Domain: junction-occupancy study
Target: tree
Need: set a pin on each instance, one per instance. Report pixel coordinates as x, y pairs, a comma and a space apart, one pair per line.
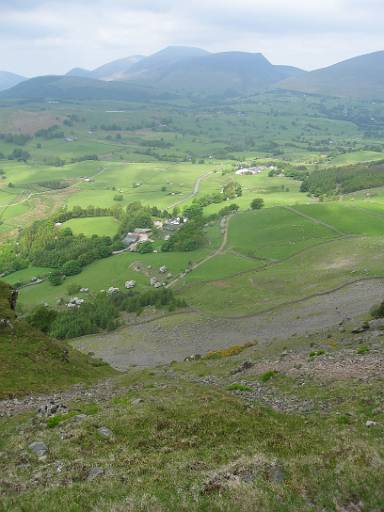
71, 268
195, 211
145, 247
42, 318
55, 278
257, 203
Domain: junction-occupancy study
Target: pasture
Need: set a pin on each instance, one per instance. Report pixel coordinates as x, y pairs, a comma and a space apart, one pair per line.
113, 153
291, 254
101, 226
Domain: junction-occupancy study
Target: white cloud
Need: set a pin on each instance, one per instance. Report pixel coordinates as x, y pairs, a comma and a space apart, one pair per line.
50, 36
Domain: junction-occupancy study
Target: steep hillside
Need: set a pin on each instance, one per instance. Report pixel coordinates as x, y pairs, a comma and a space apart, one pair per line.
76, 88
229, 71
159, 63
361, 77
115, 70
80, 72
32, 362
8, 80
281, 427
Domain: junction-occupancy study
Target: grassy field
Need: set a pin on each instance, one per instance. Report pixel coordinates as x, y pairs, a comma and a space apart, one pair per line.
165, 156
274, 234
289, 252
336, 262
101, 226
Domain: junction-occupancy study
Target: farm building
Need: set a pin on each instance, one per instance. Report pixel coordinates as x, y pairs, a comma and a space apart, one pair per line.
130, 239
253, 171
249, 171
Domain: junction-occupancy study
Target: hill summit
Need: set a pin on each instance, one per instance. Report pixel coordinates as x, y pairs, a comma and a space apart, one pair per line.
360, 77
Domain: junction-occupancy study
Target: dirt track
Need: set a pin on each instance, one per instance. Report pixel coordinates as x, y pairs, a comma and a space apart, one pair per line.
174, 338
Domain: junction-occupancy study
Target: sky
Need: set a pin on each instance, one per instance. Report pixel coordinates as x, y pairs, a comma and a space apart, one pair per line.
52, 36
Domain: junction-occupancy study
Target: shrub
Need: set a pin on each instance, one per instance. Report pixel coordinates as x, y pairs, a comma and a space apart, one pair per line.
257, 203
55, 278
227, 352
363, 349
378, 311
145, 247
42, 318
71, 268
316, 353
53, 421
266, 376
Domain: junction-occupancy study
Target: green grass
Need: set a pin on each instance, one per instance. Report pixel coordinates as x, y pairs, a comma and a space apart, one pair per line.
101, 226
31, 362
26, 275
222, 266
274, 233
190, 446
113, 271
346, 218
337, 262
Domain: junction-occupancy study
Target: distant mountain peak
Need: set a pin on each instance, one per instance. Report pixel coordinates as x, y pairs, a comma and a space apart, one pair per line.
359, 77
8, 80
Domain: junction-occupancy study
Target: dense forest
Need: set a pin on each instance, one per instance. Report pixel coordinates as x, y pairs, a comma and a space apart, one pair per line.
344, 180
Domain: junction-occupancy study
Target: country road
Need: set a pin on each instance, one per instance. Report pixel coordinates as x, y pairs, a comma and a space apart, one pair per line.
225, 227
194, 192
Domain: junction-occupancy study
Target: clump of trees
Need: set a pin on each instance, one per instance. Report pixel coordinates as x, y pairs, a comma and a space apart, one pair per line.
257, 203
99, 314
136, 216
228, 210
344, 180
43, 245
19, 139
190, 236
53, 132
230, 191
20, 155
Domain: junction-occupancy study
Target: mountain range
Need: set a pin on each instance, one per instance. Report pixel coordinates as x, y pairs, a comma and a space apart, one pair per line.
8, 80
360, 77
179, 70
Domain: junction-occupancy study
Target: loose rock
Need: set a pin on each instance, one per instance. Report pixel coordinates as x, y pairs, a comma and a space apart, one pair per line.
95, 473
105, 432
39, 449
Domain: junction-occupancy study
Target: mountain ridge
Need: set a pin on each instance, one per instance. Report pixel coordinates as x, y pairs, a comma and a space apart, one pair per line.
359, 77
8, 80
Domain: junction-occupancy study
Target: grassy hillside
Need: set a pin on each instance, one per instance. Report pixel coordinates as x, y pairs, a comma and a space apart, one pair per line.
75, 88
31, 362
8, 80
228, 72
361, 77
279, 428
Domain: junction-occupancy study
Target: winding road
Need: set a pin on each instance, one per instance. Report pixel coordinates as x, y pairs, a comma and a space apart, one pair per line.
220, 250
194, 192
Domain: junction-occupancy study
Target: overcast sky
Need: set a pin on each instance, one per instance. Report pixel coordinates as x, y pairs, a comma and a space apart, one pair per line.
52, 36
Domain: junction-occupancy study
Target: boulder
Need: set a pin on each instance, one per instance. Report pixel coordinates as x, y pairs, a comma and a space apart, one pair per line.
105, 432
95, 473
377, 324
39, 449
